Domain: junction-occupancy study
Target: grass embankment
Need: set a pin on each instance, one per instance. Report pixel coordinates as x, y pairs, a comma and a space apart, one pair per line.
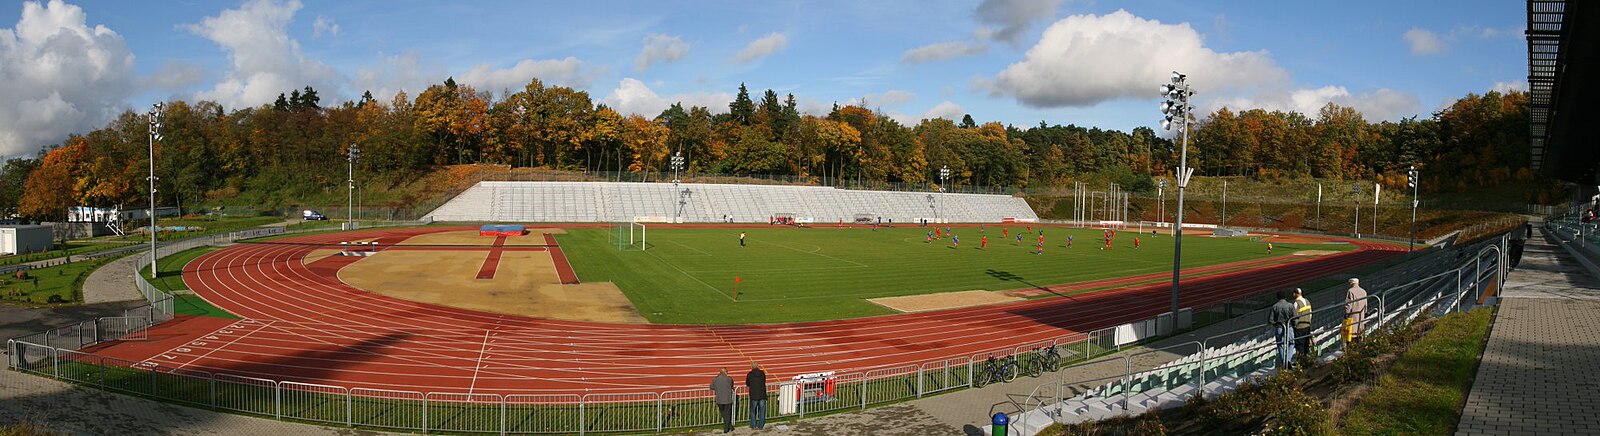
208, 226
55, 285
787, 275
1424, 390
169, 279
69, 248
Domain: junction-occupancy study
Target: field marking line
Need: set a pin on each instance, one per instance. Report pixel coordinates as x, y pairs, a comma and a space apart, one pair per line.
260, 326
482, 352
691, 276
859, 264
692, 248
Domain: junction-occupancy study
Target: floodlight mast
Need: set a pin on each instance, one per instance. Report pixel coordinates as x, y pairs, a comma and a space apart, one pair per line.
1177, 107
944, 173
156, 116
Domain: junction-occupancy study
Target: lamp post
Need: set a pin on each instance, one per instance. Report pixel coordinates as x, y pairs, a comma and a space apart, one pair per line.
1161, 206
155, 135
944, 173
350, 178
1355, 226
1411, 182
676, 164
1177, 107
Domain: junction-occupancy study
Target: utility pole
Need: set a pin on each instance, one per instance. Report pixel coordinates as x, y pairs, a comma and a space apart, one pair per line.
1355, 227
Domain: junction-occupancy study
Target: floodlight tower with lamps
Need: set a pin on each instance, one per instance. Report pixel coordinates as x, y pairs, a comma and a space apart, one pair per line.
1161, 207
1177, 108
944, 173
350, 178
1355, 226
1411, 182
156, 116
676, 164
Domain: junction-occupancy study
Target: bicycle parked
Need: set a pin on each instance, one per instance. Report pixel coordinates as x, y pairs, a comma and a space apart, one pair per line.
1042, 359
996, 370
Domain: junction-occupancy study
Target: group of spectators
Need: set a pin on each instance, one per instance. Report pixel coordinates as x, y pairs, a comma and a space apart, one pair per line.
722, 389
1291, 320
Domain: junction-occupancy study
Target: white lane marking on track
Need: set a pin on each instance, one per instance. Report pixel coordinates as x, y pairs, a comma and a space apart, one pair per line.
213, 350
482, 353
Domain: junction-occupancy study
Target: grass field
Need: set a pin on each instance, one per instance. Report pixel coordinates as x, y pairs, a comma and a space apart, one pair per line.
60, 284
788, 275
169, 279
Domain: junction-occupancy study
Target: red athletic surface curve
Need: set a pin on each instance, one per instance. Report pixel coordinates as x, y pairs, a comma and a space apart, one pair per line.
304, 325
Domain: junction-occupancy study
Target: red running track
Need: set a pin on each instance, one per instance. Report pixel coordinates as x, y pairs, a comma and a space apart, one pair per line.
304, 325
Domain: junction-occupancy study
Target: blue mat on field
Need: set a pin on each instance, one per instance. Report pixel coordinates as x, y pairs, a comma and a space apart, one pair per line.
502, 230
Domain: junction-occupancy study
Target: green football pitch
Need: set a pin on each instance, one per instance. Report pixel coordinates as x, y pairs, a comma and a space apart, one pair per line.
785, 274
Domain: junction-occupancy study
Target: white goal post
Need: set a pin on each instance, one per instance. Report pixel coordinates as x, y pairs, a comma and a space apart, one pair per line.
637, 234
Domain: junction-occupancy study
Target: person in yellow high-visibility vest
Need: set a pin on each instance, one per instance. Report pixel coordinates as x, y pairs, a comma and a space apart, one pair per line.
1302, 323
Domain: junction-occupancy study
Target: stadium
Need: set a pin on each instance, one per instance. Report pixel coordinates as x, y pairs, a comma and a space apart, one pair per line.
501, 253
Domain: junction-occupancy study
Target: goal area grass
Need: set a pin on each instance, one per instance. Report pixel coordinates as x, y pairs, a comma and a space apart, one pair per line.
786, 274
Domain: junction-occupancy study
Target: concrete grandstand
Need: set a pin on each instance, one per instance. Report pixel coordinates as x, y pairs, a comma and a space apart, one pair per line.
620, 202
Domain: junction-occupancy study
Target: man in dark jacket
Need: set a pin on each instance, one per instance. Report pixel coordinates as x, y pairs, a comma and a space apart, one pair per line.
756, 381
1280, 316
722, 388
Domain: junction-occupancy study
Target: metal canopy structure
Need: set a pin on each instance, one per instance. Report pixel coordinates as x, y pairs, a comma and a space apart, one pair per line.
1562, 48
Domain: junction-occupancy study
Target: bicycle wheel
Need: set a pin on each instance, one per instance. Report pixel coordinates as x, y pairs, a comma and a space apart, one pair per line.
982, 378
1052, 362
1009, 372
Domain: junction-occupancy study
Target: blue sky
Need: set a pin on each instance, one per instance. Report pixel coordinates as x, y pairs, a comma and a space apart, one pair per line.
71, 66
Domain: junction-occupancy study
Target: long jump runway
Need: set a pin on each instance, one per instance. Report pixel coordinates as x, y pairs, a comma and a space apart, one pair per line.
304, 326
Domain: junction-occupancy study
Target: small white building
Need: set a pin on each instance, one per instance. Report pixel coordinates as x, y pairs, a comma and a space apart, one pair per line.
17, 239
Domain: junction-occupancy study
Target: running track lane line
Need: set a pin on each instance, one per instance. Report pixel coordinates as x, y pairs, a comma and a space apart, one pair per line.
491, 262
483, 351
259, 327
563, 268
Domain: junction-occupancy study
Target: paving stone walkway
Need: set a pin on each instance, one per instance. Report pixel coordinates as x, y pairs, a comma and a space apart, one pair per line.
1538, 373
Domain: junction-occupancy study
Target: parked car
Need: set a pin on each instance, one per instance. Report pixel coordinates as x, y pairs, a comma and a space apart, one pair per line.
311, 215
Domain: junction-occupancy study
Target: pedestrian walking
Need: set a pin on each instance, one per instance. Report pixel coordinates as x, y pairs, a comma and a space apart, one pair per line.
1281, 315
1302, 323
722, 389
1355, 308
756, 381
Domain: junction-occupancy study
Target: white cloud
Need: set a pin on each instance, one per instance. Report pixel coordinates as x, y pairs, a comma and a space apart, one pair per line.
762, 47
324, 25
661, 49
265, 60
946, 110
58, 76
941, 51
1376, 105
1013, 17
174, 76
1423, 41
1505, 87
893, 97
403, 72
565, 72
634, 97
1083, 60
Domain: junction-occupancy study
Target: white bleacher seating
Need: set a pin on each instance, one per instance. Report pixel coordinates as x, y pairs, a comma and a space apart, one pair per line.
619, 202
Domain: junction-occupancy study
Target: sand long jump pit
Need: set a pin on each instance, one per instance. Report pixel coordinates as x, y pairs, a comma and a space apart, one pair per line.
942, 300
447, 268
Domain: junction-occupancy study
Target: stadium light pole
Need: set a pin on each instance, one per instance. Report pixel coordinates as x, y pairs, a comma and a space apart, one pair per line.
156, 116
1177, 107
1411, 182
353, 153
676, 164
1355, 225
944, 173
1161, 206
